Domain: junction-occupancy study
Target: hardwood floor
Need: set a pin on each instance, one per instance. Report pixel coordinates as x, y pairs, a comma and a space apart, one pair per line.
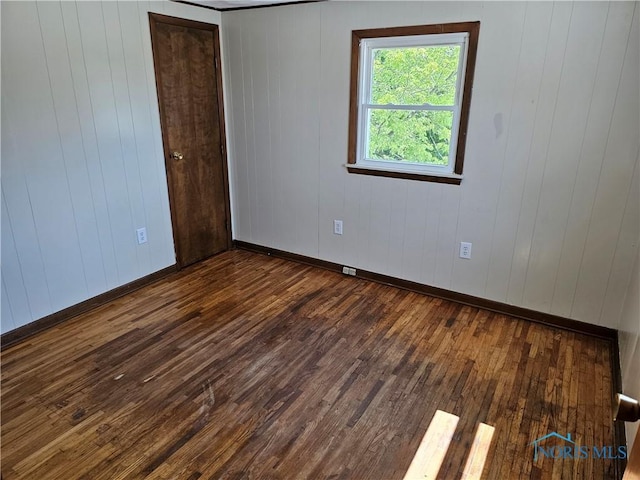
248, 366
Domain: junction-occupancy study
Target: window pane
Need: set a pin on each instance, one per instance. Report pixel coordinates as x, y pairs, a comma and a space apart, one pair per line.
410, 136
415, 75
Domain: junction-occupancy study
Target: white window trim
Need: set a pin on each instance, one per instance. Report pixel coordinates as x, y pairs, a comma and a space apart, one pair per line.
364, 102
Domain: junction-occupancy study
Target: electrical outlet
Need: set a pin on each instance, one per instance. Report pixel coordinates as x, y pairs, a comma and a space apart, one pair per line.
349, 271
337, 227
142, 235
465, 250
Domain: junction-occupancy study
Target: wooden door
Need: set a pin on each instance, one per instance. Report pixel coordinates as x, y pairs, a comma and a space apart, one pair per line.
186, 56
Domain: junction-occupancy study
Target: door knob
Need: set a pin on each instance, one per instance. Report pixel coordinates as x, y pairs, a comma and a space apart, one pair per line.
628, 409
176, 156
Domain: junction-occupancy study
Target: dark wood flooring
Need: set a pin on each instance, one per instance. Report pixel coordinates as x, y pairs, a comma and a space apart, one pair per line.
247, 366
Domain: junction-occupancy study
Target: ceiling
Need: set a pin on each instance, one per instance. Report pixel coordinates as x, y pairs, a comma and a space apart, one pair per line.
234, 4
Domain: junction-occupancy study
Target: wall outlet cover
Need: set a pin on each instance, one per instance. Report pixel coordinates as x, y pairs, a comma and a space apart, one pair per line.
142, 235
465, 250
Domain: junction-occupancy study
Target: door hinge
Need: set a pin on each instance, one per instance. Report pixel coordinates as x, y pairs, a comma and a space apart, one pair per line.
222, 149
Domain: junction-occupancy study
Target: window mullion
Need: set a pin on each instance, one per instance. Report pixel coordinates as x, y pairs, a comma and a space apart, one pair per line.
389, 106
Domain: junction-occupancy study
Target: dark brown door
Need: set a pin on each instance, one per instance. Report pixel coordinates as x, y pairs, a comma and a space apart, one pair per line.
186, 55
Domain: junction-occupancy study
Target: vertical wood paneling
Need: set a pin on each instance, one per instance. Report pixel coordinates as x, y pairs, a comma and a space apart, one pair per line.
536, 155
41, 159
235, 73
14, 294
629, 326
286, 213
304, 162
297, 143
380, 212
397, 227
445, 250
250, 124
82, 161
147, 160
586, 29
364, 222
534, 44
336, 188
274, 119
102, 91
414, 228
229, 117
5, 311
68, 121
15, 188
592, 149
621, 156
534, 193
13, 282
260, 149
88, 136
433, 205
627, 247
130, 137
495, 88
18, 222
263, 147
348, 245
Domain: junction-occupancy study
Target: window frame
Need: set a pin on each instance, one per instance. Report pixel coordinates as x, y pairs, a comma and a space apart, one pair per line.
360, 93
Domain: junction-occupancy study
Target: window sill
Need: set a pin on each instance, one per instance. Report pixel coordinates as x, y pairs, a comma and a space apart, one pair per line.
450, 178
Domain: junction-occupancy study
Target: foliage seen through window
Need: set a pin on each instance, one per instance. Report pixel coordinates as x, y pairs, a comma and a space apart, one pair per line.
413, 76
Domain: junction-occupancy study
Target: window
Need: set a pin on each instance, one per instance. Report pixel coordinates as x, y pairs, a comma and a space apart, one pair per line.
410, 95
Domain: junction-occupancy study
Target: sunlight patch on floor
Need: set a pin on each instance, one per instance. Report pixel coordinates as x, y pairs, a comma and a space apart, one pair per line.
428, 459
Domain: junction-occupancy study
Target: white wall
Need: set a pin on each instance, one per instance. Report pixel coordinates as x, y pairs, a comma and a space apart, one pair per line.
550, 198
82, 159
630, 344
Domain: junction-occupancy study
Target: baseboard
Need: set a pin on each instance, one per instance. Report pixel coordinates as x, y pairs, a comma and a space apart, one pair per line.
470, 300
21, 333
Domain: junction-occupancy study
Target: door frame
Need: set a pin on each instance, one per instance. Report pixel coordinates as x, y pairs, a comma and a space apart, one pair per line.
154, 19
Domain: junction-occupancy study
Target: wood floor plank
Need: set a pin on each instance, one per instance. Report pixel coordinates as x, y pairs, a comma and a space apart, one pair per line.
248, 366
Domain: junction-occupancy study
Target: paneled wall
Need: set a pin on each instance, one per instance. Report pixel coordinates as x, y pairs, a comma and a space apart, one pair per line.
550, 197
82, 160
630, 344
